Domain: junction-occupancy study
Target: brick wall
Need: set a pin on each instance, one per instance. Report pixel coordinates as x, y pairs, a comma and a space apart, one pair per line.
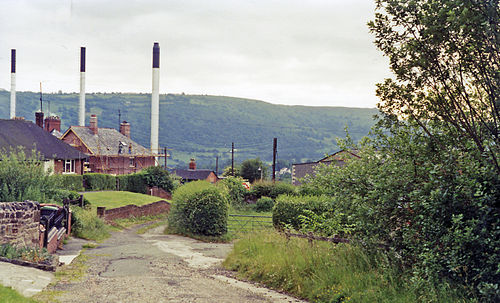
19, 223
159, 192
134, 210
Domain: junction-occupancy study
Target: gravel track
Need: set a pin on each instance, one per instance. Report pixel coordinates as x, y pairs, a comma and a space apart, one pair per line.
154, 267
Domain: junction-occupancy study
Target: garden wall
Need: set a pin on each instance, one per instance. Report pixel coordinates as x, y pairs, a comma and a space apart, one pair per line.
159, 192
133, 210
19, 223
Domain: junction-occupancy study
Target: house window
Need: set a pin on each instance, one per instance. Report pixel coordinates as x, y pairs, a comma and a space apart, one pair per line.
69, 166
131, 162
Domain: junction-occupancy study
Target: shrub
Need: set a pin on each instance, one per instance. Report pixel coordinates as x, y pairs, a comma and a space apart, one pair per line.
235, 190
288, 209
94, 181
157, 176
264, 204
69, 182
199, 208
271, 190
59, 195
86, 225
122, 182
23, 177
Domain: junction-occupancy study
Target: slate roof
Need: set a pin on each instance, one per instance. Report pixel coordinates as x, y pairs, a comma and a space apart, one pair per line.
29, 136
107, 142
190, 174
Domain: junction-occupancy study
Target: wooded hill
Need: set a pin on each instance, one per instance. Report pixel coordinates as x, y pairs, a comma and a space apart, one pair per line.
204, 126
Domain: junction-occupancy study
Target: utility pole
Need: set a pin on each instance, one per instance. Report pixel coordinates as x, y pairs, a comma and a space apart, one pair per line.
165, 152
275, 145
119, 119
232, 159
217, 165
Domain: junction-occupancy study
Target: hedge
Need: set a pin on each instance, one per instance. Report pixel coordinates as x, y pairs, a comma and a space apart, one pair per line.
69, 182
271, 190
288, 208
94, 181
264, 204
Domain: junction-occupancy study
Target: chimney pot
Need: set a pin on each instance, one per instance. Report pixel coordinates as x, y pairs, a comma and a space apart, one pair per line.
192, 164
93, 124
125, 129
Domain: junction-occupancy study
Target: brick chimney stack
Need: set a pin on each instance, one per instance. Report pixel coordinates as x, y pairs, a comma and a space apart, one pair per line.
39, 119
192, 164
93, 124
125, 129
52, 122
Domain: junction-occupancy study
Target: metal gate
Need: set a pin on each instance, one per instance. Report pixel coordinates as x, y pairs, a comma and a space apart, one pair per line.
246, 223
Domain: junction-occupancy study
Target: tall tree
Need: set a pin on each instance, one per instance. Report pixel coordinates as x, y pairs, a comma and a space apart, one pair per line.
253, 169
446, 61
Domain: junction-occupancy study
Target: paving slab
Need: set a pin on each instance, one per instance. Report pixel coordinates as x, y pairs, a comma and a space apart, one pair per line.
27, 281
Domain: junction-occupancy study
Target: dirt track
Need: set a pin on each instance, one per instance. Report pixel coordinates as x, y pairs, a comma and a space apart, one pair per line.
160, 268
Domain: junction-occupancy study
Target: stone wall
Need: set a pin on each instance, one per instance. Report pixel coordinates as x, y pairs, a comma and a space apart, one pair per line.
19, 223
134, 210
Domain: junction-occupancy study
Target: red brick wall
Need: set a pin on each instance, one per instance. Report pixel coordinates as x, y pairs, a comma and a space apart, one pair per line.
212, 178
74, 141
137, 211
158, 192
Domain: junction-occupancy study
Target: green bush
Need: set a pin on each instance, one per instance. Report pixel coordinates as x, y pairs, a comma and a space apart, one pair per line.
23, 177
264, 204
94, 181
235, 190
271, 190
199, 208
59, 195
288, 209
157, 176
86, 225
69, 182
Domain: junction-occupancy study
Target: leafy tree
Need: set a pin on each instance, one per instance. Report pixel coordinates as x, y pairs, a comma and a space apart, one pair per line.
227, 172
445, 57
253, 169
157, 176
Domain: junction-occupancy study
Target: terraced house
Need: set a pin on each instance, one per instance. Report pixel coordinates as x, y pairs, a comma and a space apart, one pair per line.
110, 151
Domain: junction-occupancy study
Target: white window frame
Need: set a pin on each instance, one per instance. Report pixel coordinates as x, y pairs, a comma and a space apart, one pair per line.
71, 164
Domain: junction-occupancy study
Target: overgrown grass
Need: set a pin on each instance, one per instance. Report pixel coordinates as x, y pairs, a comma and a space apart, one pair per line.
114, 199
9, 295
87, 225
326, 272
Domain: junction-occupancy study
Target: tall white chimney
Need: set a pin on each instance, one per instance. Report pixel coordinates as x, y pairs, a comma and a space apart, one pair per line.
155, 98
81, 111
13, 84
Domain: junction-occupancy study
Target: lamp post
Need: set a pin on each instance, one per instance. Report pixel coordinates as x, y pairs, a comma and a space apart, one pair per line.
260, 171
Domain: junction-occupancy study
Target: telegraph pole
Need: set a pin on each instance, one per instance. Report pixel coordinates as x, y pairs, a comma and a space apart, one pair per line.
165, 152
217, 165
275, 145
232, 159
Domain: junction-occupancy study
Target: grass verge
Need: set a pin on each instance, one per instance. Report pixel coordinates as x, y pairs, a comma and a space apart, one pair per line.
325, 272
9, 295
114, 199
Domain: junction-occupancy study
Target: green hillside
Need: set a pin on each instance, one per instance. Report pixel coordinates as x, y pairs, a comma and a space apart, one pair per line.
203, 126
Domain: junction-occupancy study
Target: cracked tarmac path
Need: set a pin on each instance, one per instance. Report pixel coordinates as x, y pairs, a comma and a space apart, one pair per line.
154, 267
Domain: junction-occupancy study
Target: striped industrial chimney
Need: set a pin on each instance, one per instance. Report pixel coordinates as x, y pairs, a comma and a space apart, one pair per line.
81, 111
155, 98
13, 84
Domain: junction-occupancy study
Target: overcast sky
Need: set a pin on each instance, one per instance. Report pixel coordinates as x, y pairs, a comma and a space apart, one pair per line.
314, 52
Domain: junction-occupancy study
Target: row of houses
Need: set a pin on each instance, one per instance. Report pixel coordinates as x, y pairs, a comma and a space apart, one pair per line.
82, 149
